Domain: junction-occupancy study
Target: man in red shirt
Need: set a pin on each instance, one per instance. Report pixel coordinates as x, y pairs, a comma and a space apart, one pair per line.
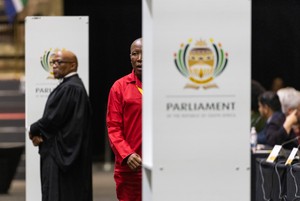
124, 125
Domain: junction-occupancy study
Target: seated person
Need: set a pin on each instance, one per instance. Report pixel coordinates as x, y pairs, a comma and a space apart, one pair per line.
256, 120
275, 132
290, 101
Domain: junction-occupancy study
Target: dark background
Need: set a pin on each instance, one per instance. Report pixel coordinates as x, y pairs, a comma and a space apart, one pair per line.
276, 41
114, 24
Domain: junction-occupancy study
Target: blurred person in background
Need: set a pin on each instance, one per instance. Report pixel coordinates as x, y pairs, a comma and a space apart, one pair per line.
290, 104
277, 83
256, 119
277, 129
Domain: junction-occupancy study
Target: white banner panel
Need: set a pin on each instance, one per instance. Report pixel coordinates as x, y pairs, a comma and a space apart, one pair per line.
196, 112
44, 35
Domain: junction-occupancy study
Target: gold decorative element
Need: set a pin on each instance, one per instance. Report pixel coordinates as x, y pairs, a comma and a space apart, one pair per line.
201, 43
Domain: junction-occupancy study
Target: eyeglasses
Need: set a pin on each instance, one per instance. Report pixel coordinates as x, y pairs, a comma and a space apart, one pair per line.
59, 62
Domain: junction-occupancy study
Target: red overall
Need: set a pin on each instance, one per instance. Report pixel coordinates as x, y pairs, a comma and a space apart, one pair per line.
124, 124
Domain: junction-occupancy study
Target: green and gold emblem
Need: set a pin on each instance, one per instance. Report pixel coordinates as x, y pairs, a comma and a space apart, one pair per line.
201, 63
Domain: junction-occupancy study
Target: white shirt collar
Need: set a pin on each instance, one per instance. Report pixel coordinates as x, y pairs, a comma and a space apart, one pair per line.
68, 75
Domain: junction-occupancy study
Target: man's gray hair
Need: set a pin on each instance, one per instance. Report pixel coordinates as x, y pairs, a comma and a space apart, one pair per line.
289, 98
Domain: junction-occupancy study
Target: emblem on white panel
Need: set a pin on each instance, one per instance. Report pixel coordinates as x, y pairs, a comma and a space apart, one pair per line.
201, 62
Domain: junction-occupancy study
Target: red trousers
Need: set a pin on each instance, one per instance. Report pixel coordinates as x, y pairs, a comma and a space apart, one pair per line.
128, 186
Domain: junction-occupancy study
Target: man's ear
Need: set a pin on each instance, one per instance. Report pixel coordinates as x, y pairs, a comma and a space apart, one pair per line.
74, 67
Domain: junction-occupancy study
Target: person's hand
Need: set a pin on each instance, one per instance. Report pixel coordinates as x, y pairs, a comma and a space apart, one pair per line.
290, 120
36, 140
134, 161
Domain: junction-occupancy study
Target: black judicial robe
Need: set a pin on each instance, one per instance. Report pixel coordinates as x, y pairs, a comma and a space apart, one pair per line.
66, 164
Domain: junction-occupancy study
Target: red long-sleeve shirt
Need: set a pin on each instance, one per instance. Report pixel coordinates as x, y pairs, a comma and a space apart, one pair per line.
124, 119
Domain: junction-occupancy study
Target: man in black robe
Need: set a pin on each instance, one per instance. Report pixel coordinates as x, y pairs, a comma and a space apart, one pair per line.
63, 136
